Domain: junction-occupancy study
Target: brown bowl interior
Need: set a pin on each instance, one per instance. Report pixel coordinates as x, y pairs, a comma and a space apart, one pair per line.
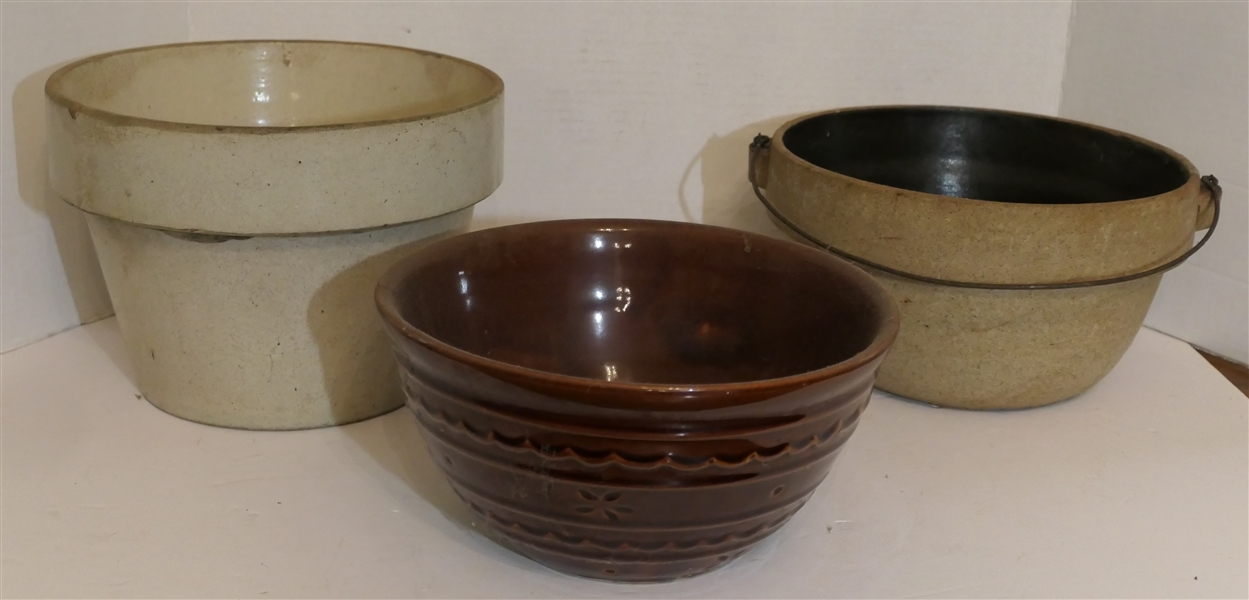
647, 302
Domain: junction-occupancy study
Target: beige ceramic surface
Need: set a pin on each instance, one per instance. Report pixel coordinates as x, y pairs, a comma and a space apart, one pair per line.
244, 197
994, 349
987, 349
979, 241
274, 137
1003, 349
261, 333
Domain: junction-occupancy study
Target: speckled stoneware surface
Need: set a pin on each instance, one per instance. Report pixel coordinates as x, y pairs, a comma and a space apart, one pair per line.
262, 333
244, 196
985, 341
266, 138
1044, 201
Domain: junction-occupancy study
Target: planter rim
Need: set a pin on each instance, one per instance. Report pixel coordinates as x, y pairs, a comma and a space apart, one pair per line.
53, 88
224, 236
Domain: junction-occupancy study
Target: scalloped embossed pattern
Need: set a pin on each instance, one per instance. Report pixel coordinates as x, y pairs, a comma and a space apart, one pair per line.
520, 349
656, 509
433, 417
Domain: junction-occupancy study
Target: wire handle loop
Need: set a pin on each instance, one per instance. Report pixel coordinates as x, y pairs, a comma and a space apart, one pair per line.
762, 146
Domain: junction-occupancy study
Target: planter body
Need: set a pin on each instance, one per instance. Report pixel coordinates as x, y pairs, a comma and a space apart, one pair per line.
259, 333
243, 198
986, 348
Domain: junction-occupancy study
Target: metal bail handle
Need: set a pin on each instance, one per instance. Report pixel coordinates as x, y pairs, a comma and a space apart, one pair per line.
762, 145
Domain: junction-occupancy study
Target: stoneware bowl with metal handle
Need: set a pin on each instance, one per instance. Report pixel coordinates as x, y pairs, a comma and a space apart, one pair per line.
243, 198
1024, 251
634, 400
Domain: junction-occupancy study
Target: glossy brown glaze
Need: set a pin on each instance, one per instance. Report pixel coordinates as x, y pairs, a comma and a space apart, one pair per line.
634, 400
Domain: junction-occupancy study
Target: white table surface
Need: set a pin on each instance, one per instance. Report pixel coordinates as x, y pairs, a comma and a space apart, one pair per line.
1138, 488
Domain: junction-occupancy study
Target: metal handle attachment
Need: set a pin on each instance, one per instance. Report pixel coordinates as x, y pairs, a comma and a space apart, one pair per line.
762, 147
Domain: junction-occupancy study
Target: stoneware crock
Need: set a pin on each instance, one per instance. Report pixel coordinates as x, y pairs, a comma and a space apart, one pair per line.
244, 197
634, 400
1024, 251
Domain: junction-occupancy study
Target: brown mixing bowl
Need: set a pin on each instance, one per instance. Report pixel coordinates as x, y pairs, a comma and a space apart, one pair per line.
634, 400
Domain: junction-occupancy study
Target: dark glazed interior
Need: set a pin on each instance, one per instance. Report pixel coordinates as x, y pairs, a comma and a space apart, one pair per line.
985, 155
640, 301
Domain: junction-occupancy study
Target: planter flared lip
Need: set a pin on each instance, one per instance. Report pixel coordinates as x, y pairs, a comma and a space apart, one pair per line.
778, 144
291, 234
54, 92
648, 396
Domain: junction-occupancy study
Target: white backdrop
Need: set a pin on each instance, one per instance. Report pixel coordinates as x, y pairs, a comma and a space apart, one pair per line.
1178, 74
613, 109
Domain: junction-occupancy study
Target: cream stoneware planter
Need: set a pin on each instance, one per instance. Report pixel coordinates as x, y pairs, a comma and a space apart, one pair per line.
244, 197
1024, 251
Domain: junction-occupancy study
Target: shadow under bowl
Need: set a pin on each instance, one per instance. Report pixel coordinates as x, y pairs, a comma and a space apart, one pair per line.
634, 400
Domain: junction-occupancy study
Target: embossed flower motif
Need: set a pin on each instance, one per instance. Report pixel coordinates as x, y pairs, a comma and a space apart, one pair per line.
604, 505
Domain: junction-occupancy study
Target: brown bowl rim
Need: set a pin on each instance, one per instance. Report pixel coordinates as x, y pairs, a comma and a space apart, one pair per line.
667, 393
